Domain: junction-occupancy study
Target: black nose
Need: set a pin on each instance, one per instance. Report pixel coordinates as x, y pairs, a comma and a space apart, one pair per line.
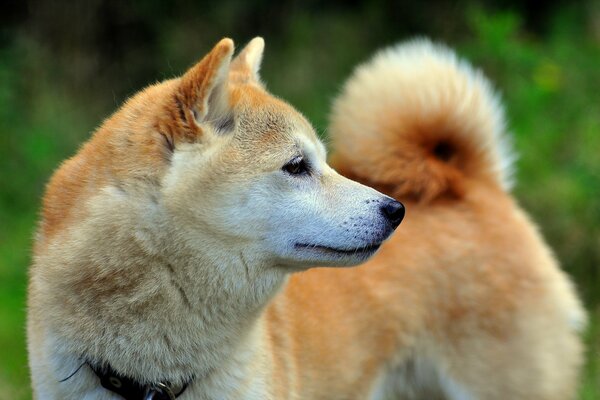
393, 211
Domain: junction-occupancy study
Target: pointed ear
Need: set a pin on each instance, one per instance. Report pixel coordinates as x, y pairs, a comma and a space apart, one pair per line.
247, 64
203, 88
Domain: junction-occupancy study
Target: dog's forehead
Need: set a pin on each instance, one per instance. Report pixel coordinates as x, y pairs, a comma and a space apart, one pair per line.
267, 119
276, 124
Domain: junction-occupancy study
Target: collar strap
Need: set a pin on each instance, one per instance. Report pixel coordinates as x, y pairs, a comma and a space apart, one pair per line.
130, 389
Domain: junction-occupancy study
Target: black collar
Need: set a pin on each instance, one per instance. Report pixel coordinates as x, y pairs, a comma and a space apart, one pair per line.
130, 389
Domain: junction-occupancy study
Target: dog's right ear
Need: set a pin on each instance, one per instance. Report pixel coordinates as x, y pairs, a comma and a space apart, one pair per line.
202, 93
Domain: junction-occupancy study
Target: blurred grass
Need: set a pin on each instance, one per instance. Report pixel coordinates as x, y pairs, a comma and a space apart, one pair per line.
550, 83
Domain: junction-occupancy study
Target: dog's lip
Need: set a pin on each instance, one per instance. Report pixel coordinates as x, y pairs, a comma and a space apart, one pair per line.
356, 250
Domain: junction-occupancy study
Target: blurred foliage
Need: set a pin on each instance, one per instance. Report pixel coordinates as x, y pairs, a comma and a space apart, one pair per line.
64, 66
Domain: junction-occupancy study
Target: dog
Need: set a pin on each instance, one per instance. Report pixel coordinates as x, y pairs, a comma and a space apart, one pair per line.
466, 300
166, 254
163, 241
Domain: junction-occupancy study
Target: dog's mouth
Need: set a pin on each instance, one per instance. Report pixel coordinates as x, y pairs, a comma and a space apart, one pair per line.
372, 248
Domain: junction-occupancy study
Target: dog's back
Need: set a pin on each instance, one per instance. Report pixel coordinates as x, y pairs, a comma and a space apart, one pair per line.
466, 301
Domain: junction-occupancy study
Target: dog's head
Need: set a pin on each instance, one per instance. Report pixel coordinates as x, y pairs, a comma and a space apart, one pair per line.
247, 170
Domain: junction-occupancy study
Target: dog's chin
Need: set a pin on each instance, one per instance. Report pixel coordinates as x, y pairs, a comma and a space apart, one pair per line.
330, 256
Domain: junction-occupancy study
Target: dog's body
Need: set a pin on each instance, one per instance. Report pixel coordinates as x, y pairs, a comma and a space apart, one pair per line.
166, 244
470, 299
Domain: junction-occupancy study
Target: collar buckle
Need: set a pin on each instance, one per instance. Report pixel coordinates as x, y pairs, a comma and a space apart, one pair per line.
130, 389
159, 391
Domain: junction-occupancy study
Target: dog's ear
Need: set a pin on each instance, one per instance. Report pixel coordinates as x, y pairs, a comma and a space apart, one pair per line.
246, 65
203, 93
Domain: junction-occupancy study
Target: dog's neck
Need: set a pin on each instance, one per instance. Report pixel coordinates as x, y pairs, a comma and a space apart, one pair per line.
183, 315
225, 294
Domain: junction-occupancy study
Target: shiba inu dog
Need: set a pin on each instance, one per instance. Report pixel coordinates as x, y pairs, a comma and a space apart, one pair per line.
466, 301
163, 241
162, 264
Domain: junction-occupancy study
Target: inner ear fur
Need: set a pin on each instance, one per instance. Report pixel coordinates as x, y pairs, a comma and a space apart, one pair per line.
246, 65
203, 94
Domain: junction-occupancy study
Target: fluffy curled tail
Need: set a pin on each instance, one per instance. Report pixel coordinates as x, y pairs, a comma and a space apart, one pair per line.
417, 122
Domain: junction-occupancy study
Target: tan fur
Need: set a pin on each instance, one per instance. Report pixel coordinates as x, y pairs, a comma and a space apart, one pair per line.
159, 253
162, 241
467, 283
423, 122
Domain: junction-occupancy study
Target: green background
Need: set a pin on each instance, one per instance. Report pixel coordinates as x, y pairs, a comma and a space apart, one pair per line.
66, 65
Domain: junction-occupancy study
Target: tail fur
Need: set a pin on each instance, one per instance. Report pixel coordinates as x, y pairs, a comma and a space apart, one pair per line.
417, 122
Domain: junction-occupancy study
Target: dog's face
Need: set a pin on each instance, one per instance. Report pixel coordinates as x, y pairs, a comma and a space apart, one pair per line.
258, 181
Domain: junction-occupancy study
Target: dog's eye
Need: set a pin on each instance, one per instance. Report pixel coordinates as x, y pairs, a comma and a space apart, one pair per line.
297, 166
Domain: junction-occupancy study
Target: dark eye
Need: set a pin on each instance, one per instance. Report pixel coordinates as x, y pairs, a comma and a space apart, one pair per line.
297, 166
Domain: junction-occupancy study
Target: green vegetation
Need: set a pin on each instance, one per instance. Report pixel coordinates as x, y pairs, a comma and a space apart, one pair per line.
53, 94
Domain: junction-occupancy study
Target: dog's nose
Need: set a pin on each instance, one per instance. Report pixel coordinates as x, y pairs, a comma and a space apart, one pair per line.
393, 211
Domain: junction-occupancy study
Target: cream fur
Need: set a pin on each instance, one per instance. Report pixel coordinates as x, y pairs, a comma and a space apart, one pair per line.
413, 85
167, 246
486, 313
182, 224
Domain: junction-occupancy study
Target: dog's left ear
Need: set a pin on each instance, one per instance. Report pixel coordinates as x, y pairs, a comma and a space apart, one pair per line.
203, 92
246, 65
